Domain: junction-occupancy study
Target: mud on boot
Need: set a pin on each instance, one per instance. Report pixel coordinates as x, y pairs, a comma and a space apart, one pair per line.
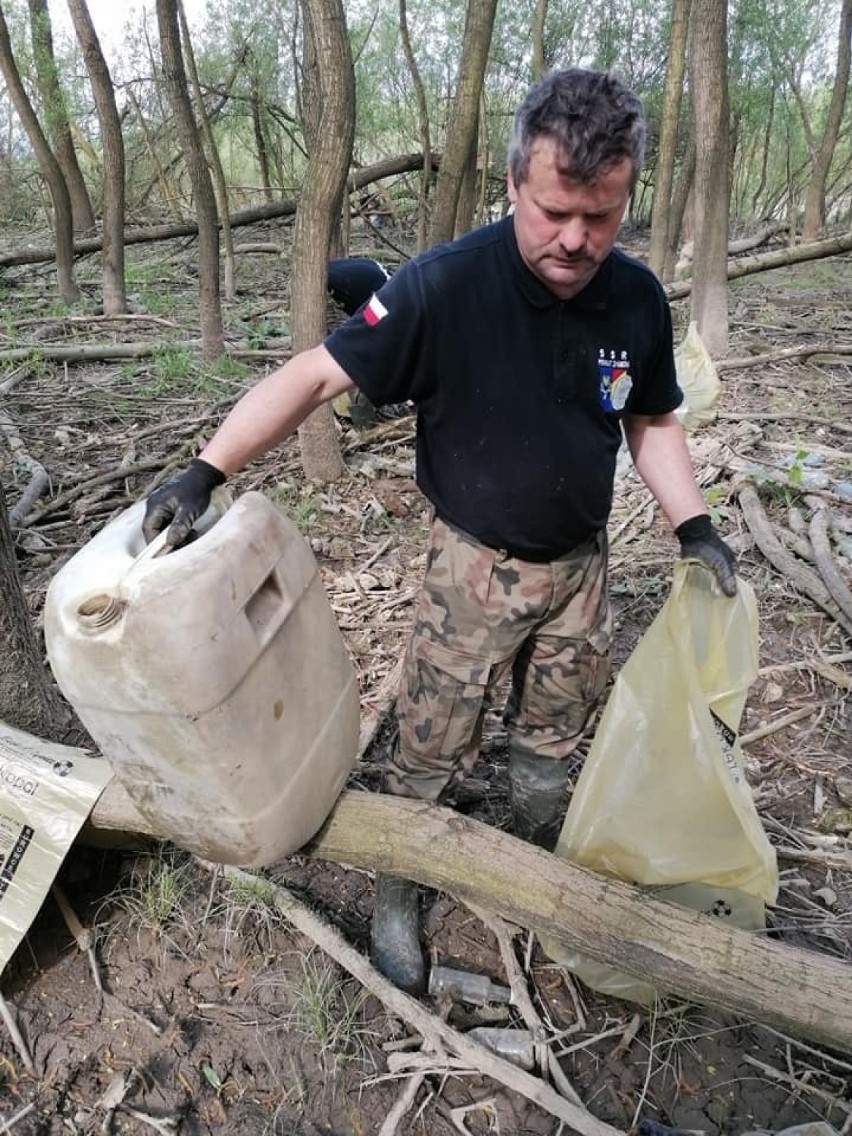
395, 942
537, 788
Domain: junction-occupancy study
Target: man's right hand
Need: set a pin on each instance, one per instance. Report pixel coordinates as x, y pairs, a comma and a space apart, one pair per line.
180, 501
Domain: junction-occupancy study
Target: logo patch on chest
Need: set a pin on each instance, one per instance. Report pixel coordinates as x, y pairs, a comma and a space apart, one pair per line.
615, 381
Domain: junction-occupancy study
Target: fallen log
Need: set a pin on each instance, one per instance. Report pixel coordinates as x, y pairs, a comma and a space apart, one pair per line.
779, 258
678, 951
741, 244
271, 211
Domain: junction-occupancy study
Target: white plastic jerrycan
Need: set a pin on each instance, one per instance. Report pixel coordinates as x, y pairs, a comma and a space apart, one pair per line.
214, 678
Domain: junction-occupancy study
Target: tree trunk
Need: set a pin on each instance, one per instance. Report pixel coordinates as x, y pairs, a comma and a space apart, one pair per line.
423, 124
466, 207
815, 198
539, 23
210, 308
63, 220
676, 950
680, 199
219, 185
764, 156
464, 115
664, 173
28, 701
260, 145
56, 115
710, 97
115, 298
318, 213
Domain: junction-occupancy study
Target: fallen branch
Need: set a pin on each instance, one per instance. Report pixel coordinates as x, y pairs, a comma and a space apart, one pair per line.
821, 544
785, 416
832, 674
800, 1085
39, 480
82, 936
434, 1031
678, 951
781, 723
21, 1114
839, 861
798, 573
547, 1060
91, 352
739, 363
740, 244
16, 1036
748, 265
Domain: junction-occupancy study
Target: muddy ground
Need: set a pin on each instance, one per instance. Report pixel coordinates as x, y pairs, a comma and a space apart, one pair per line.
215, 1016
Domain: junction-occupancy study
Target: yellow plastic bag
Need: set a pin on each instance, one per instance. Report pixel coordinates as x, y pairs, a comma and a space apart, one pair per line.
662, 800
698, 379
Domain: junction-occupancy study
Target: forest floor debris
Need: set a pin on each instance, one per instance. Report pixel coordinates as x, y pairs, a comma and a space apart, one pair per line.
218, 1016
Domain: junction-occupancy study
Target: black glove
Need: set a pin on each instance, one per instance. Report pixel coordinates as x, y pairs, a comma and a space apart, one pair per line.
181, 500
700, 541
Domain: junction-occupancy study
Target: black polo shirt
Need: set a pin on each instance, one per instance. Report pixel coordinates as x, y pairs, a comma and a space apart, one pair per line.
518, 394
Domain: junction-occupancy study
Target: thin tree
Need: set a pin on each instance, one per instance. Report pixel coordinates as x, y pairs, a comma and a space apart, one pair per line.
709, 86
667, 150
815, 198
174, 72
63, 219
331, 134
112, 256
423, 126
460, 142
28, 700
681, 196
539, 23
55, 112
219, 186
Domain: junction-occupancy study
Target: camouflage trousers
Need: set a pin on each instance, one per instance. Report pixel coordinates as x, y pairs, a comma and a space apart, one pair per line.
482, 618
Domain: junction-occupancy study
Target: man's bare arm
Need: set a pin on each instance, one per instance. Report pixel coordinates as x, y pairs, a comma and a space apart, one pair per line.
658, 446
274, 408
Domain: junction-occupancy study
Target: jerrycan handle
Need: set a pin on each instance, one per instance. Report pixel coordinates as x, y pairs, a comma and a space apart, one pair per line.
159, 546
267, 607
220, 502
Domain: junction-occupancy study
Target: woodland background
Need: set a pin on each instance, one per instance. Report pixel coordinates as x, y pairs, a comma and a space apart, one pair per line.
169, 198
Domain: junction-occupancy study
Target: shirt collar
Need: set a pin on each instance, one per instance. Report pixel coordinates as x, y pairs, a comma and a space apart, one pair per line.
594, 296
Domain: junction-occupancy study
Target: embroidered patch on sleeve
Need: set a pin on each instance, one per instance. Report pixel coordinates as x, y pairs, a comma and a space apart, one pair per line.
374, 310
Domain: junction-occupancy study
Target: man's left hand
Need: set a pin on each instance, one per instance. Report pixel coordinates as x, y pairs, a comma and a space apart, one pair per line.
700, 541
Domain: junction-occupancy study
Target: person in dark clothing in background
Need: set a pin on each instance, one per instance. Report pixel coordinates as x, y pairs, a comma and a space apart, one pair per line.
352, 280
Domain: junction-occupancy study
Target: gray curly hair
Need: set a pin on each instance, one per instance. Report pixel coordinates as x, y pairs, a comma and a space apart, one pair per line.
594, 119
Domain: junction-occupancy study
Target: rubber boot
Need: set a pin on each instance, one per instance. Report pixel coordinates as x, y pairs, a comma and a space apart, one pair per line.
395, 947
537, 790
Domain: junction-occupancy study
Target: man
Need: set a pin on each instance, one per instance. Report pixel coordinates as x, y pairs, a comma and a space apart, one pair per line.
526, 346
352, 280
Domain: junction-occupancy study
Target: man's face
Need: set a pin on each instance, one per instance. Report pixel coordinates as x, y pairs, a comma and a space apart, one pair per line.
565, 229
